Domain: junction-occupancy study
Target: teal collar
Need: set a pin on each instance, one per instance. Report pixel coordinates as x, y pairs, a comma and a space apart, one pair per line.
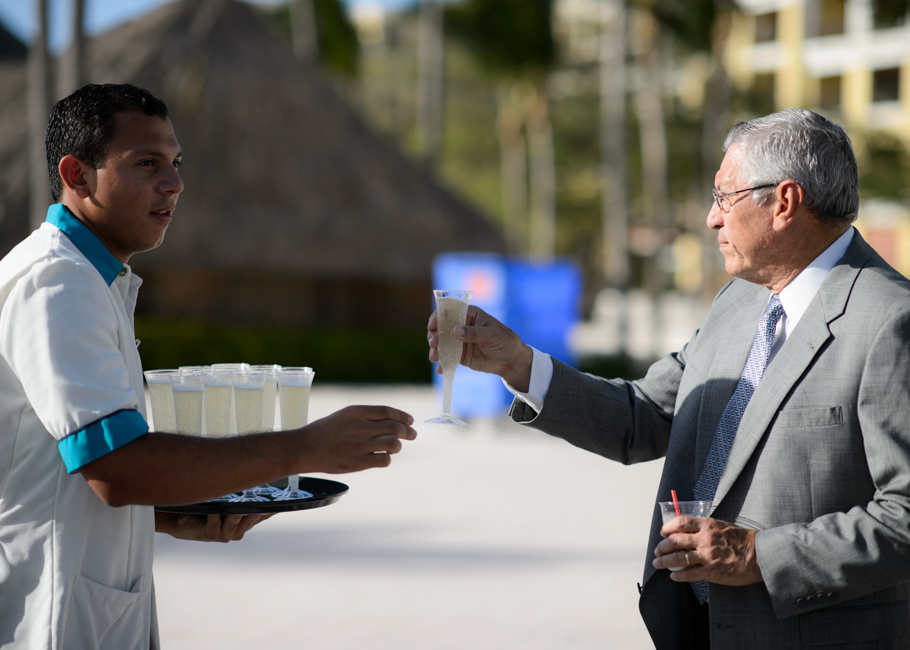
85, 240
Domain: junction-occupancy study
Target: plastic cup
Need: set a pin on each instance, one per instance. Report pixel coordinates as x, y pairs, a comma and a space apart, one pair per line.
161, 398
217, 397
187, 387
686, 509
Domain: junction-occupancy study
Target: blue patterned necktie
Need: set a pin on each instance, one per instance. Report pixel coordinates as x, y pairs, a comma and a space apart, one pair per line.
706, 486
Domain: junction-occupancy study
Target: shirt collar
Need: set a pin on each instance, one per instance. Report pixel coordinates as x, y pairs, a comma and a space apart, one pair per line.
797, 295
85, 240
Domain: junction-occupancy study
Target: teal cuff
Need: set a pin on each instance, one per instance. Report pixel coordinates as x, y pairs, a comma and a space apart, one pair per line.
101, 437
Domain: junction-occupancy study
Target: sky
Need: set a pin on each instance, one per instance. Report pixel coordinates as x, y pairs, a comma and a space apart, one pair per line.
18, 17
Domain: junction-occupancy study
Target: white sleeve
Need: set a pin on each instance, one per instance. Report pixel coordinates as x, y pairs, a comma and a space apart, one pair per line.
541, 375
58, 332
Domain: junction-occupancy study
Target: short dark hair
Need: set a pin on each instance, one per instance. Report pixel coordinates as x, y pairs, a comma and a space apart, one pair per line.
82, 124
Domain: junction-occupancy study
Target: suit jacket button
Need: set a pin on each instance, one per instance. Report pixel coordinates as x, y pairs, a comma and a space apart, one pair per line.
821, 598
800, 602
832, 596
810, 600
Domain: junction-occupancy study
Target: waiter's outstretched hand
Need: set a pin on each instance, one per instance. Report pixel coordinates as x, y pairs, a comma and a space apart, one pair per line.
489, 347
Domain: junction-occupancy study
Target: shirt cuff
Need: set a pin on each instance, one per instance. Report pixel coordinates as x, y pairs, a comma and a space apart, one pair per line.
101, 437
541, 375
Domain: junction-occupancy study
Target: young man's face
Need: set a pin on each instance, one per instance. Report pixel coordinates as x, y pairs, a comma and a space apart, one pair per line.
134, 194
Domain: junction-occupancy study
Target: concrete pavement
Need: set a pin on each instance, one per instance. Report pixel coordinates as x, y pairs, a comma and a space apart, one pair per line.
488, 537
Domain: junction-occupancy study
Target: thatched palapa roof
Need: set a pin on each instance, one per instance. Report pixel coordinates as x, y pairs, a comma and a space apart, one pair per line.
282, 177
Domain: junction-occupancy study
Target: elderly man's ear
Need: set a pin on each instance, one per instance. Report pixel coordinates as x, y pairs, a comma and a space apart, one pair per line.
789, 197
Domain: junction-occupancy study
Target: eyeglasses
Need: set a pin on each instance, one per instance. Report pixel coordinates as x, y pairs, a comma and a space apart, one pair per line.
724, 205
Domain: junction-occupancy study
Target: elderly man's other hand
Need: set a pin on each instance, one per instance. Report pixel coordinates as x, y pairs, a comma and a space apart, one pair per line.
206, 528
709, 549
489, 347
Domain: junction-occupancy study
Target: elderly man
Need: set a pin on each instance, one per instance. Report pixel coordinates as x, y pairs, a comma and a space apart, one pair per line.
789, 408
80, 469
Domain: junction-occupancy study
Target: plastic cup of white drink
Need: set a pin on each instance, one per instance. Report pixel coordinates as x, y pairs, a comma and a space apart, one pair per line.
270, 394
294, 396
451, 312
294, 404
187, 388
686, 509
232, 367
269, 400
162, 399
217, 400
248, 389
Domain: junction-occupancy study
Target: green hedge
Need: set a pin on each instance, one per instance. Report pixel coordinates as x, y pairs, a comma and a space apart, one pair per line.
337, 355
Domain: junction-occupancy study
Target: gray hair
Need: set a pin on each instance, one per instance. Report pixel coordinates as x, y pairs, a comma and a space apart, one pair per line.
803, 146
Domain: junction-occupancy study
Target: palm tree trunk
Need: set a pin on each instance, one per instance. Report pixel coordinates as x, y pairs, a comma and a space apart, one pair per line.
430, 81
304, 31
613, 143
513, 166
717, 101
72, 64
543, 176
38, 110
653, 143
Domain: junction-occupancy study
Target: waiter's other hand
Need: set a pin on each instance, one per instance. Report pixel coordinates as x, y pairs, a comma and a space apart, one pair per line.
710, 549
489, 347
355, 438
206, 528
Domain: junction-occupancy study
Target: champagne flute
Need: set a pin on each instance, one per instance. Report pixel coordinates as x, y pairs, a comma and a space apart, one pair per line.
232, 367
187, 388
294, 402
269, 398
451, 312
216, 398
161, 396
248, 388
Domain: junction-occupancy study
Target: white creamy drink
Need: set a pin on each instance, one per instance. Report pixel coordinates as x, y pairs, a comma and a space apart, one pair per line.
188, 411
248, 408
450, 313
162, 399
295, 405
270, 394
217, 400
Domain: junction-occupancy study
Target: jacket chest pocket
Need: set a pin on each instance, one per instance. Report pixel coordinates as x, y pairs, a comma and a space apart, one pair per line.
814, 416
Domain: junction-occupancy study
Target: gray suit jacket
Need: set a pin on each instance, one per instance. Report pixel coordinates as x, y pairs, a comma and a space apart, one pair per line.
820, 465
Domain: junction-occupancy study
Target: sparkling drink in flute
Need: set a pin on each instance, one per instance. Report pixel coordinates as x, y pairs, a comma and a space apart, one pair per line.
294, 402
269, 398
216, 408
216, 397
232, 367
187, 388
248, 389
451, 311
161, 397
270, 395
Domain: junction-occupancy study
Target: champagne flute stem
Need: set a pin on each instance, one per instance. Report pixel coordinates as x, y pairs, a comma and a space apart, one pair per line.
448, 376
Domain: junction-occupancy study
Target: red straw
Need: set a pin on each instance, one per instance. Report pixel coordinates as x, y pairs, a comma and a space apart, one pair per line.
675, 502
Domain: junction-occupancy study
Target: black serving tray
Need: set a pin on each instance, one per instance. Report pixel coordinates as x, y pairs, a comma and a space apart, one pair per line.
324, 493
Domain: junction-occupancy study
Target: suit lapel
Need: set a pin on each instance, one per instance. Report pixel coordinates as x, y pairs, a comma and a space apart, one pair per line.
792, 360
